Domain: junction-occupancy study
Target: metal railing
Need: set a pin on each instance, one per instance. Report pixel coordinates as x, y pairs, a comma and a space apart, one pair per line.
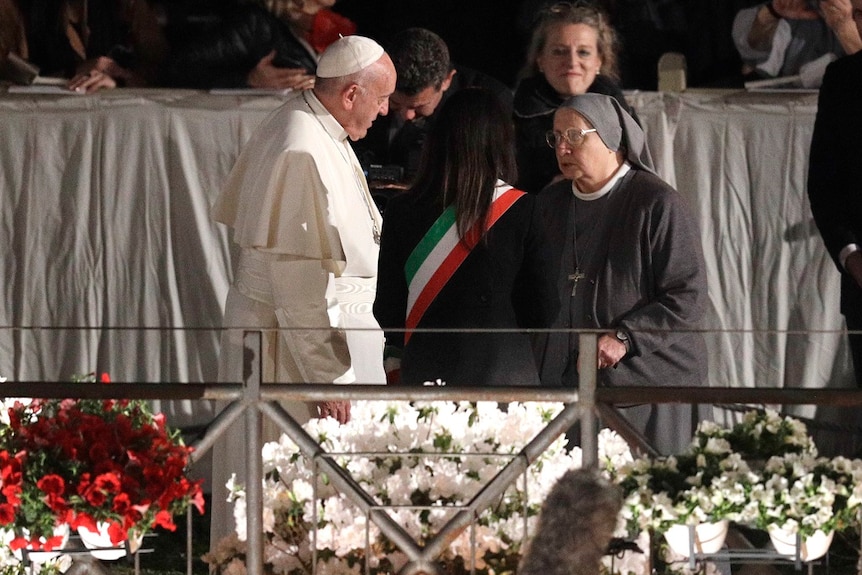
253, 399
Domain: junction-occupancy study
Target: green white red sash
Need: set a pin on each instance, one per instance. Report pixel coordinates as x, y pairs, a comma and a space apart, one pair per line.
440, 253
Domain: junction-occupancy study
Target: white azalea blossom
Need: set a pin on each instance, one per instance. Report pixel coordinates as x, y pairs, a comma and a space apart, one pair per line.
762, 472
422, 462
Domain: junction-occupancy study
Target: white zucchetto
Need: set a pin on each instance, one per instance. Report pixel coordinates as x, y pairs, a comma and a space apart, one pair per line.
347, 55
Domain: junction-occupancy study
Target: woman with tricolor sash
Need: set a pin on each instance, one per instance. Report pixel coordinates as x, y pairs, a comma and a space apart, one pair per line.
464, 266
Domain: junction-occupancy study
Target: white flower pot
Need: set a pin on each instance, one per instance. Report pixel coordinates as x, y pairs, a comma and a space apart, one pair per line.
100, 546
43, 556
813, 547
708, 538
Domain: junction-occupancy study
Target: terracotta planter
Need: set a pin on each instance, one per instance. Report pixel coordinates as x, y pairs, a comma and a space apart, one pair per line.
812, 547
708, 538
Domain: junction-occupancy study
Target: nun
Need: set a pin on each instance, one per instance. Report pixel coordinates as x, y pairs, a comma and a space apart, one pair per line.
631, 265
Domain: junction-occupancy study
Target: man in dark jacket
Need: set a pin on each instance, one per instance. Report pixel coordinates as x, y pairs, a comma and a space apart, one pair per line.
426, 78
834, 176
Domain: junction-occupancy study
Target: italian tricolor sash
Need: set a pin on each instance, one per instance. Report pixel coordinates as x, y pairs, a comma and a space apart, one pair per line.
440, 252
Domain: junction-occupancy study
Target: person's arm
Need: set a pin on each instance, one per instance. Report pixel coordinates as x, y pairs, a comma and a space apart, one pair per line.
225, 56
678, 293
303, 278
754, 28
763, 27
838, 15
265, 74
832, 171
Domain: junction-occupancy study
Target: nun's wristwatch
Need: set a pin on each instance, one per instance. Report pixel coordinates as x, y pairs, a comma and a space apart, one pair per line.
623, 338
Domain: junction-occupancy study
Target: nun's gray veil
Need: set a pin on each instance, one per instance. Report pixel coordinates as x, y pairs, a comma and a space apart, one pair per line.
614, 125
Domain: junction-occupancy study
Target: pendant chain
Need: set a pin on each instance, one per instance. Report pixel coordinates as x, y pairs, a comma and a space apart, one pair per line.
375, 229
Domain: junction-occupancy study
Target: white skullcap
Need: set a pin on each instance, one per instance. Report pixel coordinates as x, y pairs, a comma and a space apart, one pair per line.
347, 55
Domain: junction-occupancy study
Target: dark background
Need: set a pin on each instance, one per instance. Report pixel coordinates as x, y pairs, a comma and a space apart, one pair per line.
492, 35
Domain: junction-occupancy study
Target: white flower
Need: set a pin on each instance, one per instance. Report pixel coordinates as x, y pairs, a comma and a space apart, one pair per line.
467, 446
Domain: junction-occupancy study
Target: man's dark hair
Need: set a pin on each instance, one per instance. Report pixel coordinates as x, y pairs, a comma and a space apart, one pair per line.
421, 59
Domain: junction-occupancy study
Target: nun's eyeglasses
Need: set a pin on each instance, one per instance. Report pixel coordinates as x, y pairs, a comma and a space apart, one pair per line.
572, 136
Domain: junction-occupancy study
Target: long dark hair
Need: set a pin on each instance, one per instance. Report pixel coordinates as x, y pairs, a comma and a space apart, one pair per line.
469, 147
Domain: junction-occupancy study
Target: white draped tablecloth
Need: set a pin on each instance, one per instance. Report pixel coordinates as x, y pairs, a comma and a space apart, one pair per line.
105, 224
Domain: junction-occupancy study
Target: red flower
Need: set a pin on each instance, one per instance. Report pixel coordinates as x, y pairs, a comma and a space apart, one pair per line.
89, 461
117, 533
52, 484
19, 543
166, 520
7, 513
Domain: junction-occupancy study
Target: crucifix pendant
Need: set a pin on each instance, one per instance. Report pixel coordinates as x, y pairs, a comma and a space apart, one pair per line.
575, 278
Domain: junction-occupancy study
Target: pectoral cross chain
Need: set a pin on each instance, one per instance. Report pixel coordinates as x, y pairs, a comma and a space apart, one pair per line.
575, 278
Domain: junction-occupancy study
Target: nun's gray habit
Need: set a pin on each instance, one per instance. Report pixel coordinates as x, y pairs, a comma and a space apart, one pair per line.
639, 252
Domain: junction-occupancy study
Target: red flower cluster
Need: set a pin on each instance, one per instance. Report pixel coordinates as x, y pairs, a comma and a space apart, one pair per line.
86, 461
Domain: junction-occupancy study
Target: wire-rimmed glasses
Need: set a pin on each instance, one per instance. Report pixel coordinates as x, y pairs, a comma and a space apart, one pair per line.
572, 136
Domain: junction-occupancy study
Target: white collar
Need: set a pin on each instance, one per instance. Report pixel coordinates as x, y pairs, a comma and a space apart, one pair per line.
327, 120
621, 171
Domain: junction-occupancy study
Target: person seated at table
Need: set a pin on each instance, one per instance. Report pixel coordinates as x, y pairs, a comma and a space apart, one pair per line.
463, 250
252, 46
94, 43
12, 36
572, 51
631, 265
778, 38
426, 79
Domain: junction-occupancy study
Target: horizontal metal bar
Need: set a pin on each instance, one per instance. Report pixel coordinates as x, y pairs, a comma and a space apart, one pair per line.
356, 392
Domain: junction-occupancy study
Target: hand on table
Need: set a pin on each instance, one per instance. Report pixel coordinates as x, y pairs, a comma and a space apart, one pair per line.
97, 74
91, 82
267, 75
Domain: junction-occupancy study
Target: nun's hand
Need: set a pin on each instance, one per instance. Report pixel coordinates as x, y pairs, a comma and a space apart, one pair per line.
610, 351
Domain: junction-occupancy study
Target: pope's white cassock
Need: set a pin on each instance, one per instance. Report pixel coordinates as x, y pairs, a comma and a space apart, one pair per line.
301, 211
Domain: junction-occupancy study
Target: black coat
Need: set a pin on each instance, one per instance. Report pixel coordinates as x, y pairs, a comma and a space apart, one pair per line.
49, 46
507, 283
405, 148
835, 169
222, 55
534, 107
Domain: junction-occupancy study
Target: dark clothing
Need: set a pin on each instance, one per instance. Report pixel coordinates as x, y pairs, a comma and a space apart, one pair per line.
49, 46
223, 54
645, 274
506, 283
534, 107
835, 175
404, 149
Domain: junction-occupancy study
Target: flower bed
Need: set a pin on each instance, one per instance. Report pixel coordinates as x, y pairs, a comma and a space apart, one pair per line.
449, 451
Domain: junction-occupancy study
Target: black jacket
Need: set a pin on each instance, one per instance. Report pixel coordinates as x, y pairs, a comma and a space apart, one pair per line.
233, 43
405, 148
835, 170
507, 283
534, 107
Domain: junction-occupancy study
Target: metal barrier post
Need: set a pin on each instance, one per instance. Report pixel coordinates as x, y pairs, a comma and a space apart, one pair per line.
587, 375
252, 368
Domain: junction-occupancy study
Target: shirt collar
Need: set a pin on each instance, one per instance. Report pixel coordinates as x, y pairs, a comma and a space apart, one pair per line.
621, 171
327, 120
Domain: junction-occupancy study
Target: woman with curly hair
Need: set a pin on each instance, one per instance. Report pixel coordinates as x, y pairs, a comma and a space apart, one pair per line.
573, 51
